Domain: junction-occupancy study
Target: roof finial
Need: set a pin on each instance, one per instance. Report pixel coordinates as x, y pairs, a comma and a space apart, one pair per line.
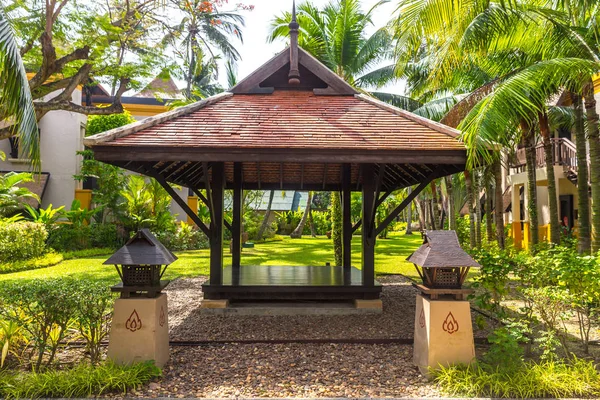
294, 75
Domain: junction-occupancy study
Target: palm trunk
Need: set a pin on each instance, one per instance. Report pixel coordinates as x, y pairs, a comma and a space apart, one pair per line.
432, 220
583, 202
594, 143
336, 227
297, 233
552, 201
451, 211
477, 194
434, 205
421, 214
489, 204
499, 216
469, 184
265, 221
530, 161
409, 215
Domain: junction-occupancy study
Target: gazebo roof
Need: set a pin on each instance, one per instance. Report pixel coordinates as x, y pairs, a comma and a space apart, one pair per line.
142, 249
292, 124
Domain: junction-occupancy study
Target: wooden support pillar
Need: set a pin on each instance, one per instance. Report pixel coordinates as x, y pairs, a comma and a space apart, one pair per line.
368, 226
236, 225
346, 223
216, 198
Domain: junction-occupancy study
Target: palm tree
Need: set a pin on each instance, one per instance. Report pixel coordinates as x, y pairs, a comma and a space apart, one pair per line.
336, 36
203, 29
15, 98
265, 221
297, 233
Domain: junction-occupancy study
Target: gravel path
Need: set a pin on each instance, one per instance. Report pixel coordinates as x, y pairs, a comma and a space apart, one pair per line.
296, 370
397, 320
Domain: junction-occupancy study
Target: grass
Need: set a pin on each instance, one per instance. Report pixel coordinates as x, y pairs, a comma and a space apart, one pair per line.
390, 258
80, 381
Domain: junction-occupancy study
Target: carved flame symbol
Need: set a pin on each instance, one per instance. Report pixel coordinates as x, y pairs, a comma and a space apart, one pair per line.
161, 318
422, 319
134, 322
450, 324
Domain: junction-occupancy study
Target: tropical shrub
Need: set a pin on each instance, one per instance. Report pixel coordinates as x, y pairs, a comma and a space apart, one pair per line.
578, 378
49, 310
67, 237
11, 193
184, 237
21, 241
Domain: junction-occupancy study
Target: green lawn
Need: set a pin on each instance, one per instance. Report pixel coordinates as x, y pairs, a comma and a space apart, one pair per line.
390, 258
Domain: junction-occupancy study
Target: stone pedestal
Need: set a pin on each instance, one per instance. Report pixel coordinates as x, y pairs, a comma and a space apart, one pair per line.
443, 333
140, 331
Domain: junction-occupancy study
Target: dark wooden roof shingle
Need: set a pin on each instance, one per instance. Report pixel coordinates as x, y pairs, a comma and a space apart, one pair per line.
441, 249
142, 249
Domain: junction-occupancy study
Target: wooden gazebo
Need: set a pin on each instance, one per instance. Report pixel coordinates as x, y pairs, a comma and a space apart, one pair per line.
293, 124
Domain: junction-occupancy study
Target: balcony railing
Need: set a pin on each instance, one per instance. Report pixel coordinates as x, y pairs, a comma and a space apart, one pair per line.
564, 153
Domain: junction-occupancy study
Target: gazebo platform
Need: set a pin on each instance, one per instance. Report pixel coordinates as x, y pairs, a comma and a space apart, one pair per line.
291, 283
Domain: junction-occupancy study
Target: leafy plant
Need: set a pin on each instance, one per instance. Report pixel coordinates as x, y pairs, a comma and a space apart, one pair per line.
79, 216
11, 193
81, 381
47, 216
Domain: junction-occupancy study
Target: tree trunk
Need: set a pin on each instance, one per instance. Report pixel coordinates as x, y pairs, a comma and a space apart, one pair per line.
530, 160
434, 205
489, 204
469, 184
583, 202
432, 220
499, 215
594, 143
297, 233
336, 227
477, 194
552, 197
451, 211
409, 215
421, 214
311, 222
265, 221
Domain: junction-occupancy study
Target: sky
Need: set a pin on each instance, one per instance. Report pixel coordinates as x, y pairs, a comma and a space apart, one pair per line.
255, 50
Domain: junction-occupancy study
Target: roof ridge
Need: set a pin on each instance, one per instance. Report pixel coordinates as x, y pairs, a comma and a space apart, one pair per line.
134, 127
445, 129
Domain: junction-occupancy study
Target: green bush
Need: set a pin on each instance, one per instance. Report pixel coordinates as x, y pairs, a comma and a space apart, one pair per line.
21, 241
578, 378
105, 236
81, 381
185, 237
87, 253
103, 123
47, 260
67, 237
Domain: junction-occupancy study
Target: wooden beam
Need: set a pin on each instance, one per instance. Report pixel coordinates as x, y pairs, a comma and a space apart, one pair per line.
281, 176
236, 231
368, 236
182, 203
356, 226
346, 220
301, 176
324, 175
380, 175
258, 173
211, 206
216, 232
403, 205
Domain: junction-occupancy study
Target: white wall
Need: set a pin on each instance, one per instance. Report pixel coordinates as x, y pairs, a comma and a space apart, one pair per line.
61, 135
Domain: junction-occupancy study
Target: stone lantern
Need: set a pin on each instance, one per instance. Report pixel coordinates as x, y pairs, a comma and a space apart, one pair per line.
443, 326
140, 328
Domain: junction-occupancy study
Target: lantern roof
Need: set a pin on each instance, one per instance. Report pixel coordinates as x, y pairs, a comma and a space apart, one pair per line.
142, 249
441, 249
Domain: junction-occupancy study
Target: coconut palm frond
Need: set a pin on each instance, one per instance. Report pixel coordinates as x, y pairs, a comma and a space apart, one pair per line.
16, 104
403, 102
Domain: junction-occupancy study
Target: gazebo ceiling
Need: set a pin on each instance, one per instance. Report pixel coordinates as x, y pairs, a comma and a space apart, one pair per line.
286, 135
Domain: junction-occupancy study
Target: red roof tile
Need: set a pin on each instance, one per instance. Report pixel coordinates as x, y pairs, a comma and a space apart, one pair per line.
291, 119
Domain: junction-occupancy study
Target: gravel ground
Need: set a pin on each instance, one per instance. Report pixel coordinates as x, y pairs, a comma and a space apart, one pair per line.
291, 370
397, 320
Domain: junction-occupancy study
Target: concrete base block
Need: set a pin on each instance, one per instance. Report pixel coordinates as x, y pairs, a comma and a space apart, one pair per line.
370, 304
140, 331
443, 333
214, 303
